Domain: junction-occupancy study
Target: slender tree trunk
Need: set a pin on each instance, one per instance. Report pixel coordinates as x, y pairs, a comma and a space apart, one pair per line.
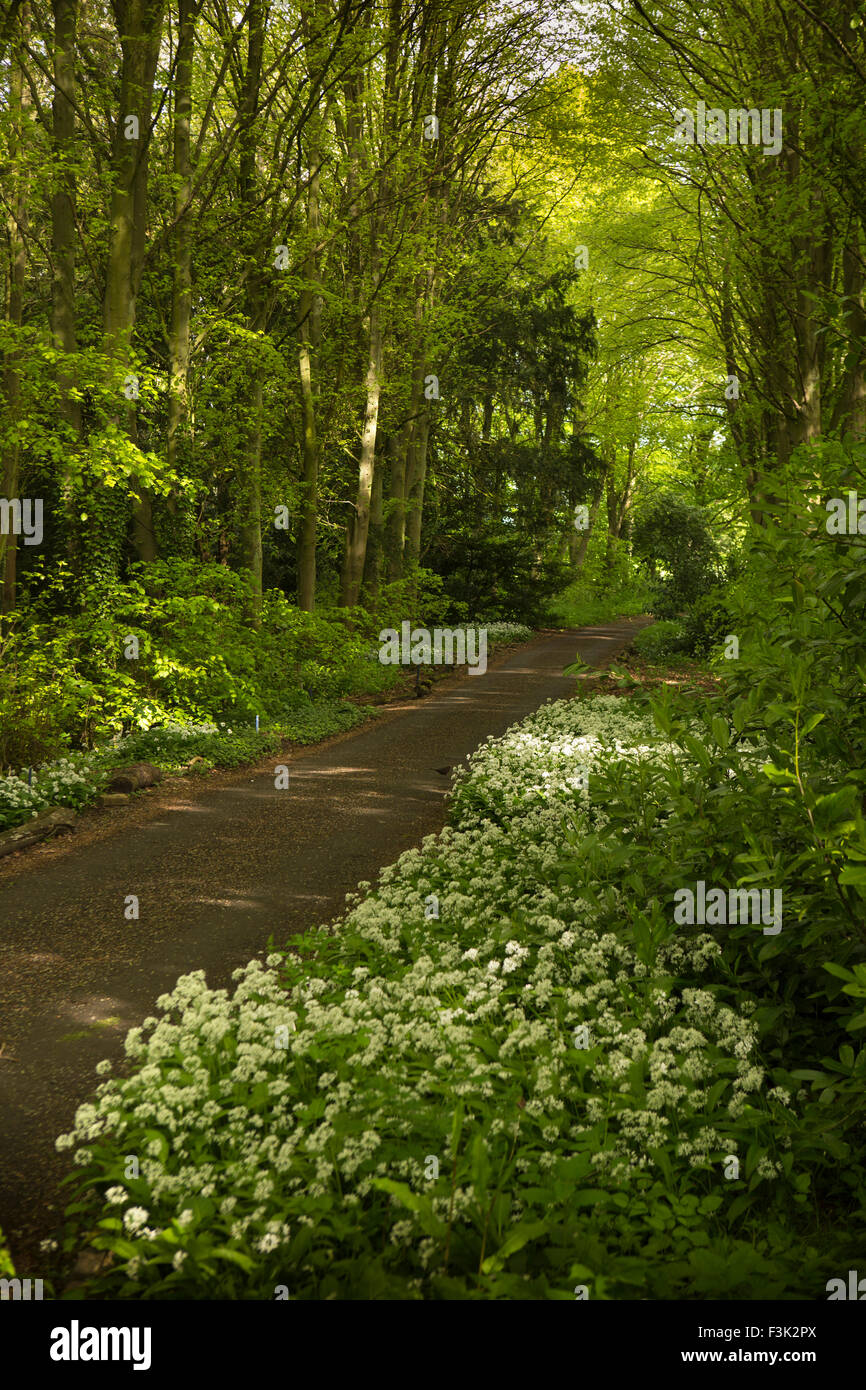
395, 526
251, 526
610, 489
309, 480
487, 422
373, 562
63, 203
579, 552
400, 450
356, 543
359, 525
181, 298
19, 102
307, 342
415, 493
139, 24
627, 492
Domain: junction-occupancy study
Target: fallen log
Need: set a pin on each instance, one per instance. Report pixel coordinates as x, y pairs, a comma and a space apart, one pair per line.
134, 777
59, 820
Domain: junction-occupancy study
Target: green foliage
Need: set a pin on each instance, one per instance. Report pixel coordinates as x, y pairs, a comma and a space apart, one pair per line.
72, 781
681, 555
201, 677
198, 659
496, 570
7, 1268
708, 621
583, 603
78, 778
662, 639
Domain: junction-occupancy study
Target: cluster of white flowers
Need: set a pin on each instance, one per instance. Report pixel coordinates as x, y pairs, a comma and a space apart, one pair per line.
68, 781
500, 633
548, 758
480, 1005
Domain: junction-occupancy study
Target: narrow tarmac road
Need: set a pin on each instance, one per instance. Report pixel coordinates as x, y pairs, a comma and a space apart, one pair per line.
217, 870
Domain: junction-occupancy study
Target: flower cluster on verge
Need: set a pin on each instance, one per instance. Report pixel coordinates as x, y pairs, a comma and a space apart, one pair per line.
499, 633
473, 1010
68, 781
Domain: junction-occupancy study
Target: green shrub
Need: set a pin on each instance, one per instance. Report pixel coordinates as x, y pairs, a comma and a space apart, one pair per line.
707, 623
674, 540
73, 679
584, 604
199, 660
7, 1268
664, 638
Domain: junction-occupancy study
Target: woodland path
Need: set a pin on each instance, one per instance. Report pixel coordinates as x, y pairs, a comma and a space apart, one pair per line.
218, 867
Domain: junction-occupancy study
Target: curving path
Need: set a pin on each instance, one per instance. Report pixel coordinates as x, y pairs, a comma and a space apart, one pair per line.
218, 867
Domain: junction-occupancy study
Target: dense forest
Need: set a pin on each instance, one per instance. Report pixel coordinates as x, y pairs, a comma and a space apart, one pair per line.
322, 318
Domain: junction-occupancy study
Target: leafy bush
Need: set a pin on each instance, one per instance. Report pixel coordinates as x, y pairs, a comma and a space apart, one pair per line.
664, 638
199, 660
496, 569
78, 778
683, 561
174, 745
583, 603
71, 681
707, 623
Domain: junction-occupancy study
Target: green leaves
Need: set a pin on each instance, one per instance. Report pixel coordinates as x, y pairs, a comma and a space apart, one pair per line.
521, 1235
420, 1203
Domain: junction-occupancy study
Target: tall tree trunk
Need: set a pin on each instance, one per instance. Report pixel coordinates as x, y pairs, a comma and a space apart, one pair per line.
373, 562
395, 525
308, 341
487, 421
400, 447
356, 542
610, 488
359, 525
139, 25
63, 203
19, 103
181, 296
628, 491
309, 481
578, 554
251, 527
415, 492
